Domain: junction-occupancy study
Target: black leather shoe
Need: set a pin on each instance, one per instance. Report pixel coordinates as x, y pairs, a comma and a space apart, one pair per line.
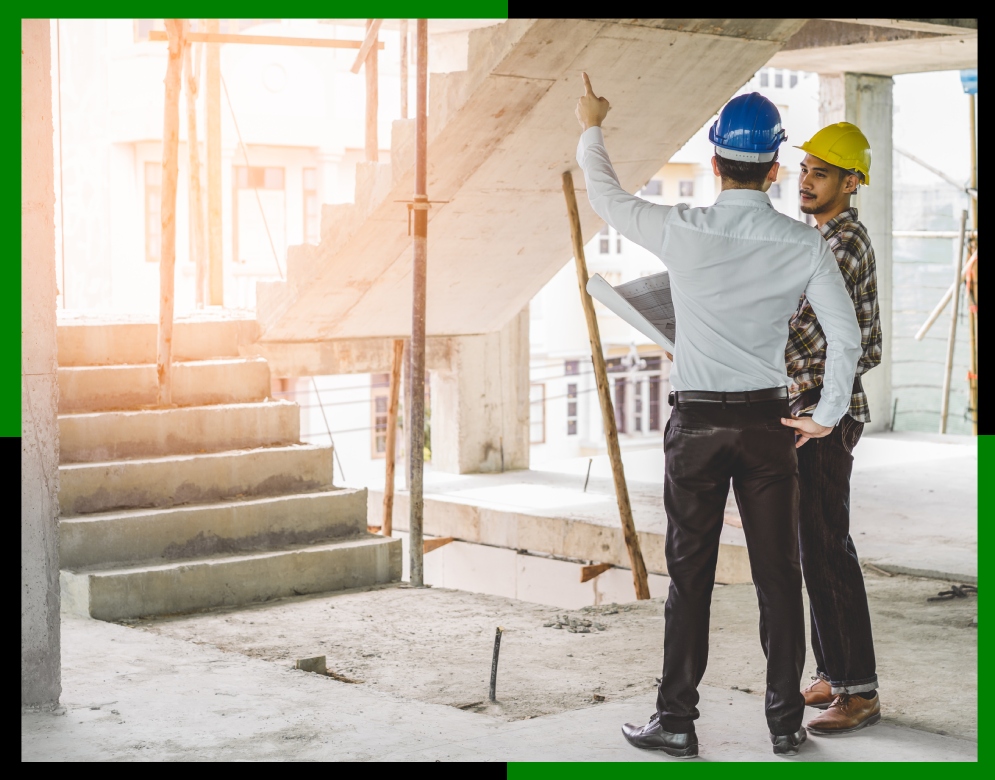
787, 745
653, 737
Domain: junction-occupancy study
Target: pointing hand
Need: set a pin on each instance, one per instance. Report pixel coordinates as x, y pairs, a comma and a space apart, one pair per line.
591, 109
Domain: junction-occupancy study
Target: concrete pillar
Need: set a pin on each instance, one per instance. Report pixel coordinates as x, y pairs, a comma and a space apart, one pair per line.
41, 679
866, 101
480, 407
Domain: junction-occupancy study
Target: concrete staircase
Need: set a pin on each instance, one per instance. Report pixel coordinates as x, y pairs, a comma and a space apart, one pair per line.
213, 502
500, 134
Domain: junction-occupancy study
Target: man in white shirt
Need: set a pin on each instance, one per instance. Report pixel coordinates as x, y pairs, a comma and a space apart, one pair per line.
737, 270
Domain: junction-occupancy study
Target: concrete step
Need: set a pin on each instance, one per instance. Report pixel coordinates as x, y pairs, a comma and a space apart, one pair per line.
174, 480
224, 527
106, 340
231, 580
106, 436
224, 381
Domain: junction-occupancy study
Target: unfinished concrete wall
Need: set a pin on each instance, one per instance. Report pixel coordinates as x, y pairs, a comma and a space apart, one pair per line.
41, 679
480, 408
866, 101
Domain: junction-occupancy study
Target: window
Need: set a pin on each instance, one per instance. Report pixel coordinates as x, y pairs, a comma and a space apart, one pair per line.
793, 79
686, 188
620, 404
653, 364
618, 245
637, 417
312, 208
259, 215
779, 79
653, 187
764, 78
153, 211
603, 243
537, 414
379, 402
571, 367
571, 409
143, 27
774, 191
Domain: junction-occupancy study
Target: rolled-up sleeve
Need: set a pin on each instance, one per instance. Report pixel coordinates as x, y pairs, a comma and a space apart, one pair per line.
827, 293
638, 220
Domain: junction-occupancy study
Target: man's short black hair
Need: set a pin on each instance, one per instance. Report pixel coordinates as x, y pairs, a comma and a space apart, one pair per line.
745, 174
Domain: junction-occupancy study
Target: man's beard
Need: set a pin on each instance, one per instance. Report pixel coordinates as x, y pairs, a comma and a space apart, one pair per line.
811, 207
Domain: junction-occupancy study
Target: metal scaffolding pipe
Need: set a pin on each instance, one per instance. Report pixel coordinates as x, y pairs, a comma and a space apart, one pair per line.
416, 460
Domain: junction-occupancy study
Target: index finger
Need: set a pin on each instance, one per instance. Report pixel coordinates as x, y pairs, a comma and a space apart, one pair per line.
587, 84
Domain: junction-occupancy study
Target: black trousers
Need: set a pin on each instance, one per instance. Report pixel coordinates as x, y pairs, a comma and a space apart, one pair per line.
706, 447
841, 623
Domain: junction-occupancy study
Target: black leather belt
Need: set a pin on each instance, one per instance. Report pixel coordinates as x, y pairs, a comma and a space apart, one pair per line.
710, 397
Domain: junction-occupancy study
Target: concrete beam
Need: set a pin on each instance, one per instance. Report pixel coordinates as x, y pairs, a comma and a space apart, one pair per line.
41, 676
342, 356
884, 47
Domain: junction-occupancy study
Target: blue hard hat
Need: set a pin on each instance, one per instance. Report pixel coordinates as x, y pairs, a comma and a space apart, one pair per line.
748, 129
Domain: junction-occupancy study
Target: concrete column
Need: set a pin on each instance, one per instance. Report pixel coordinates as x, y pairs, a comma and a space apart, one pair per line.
866, 101
480, 408
41, 679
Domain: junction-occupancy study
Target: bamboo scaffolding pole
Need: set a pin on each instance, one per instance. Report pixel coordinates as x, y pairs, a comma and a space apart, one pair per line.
972, 282
191, 66
387, 525
214, 37
176, 29
639, 576
372, 89
952, 337
404, 68
215, 264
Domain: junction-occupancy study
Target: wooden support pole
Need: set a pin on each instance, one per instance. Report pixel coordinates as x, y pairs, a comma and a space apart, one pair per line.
404, 68
639, 577
435, 544
372, 92
197, 245
215, 264
176, 28
972, 282
416, 415
369, 44
952, 335
588, 573
388, 489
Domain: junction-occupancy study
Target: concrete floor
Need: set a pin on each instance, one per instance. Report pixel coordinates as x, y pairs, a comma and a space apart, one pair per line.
913, 498
131, 695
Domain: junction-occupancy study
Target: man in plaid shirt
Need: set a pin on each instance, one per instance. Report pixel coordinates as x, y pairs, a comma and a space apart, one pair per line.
836, 163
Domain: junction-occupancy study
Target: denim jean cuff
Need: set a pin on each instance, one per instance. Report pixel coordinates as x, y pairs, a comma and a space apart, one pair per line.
851, 686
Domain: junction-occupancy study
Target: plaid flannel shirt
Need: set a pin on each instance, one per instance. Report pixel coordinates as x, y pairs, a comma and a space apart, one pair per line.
805, 355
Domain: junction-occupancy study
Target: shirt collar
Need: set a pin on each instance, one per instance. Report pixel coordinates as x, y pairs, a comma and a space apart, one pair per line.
847, 215
753, 197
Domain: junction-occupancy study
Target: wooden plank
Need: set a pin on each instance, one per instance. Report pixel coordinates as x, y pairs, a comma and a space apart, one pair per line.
639, 576
170, 174
196, 201
388, 490
265, 40
588, 573
435, 544
372, 93
372, 30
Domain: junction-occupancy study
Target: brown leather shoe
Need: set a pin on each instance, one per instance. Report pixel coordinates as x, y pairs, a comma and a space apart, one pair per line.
819, 694
846, 714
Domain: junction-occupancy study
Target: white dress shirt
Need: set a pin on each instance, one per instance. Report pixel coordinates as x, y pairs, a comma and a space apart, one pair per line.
737, 269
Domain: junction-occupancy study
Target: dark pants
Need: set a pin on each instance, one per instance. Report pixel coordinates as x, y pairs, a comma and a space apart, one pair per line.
841, 623
706, 446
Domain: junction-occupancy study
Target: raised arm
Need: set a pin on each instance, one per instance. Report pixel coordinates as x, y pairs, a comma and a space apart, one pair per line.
638, 220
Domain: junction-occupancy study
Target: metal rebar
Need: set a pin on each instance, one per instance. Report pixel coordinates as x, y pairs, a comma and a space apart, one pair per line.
952, 337
588, 477
416, 430
494, 663
335, 451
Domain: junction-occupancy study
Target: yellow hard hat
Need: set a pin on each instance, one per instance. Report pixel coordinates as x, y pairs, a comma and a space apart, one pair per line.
842, 145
